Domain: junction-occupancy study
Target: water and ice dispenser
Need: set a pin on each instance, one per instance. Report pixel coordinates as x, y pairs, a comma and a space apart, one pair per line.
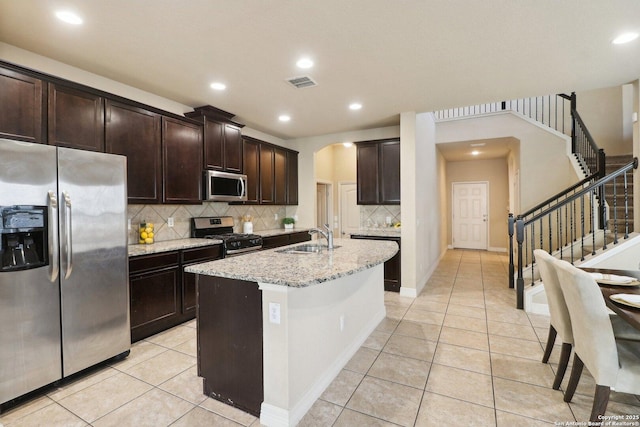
23, 237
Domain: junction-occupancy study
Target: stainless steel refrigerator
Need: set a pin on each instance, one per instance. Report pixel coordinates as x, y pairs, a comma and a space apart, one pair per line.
64, 294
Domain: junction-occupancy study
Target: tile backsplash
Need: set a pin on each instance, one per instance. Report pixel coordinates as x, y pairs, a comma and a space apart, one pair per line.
375, 216
263, 218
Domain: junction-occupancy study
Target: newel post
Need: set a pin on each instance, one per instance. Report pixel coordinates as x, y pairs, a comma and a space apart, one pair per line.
520, 280
511, 222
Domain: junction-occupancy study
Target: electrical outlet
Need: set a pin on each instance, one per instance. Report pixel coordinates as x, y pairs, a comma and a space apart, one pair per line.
129, 224
274, 313
341, 322
275, 217
170, 222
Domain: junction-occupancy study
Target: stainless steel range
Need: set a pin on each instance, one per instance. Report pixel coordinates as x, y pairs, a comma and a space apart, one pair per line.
221, 227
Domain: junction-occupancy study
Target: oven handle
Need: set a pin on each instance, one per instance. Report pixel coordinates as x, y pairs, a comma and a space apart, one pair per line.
234, 252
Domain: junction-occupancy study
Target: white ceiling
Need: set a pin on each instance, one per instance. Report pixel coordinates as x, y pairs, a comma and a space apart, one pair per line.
392, 56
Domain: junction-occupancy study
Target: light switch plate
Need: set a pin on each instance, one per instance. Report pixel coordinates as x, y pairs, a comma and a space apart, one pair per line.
274, 313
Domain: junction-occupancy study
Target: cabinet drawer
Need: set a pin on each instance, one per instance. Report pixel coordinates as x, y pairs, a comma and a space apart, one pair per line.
155, 261
302, 236
208, 253
275, 241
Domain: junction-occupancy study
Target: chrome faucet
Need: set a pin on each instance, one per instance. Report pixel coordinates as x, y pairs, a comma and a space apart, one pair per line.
328, 234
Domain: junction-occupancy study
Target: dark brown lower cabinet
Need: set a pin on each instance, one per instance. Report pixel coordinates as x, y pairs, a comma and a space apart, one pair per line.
285, 239
230, 341
392, 267
162, 295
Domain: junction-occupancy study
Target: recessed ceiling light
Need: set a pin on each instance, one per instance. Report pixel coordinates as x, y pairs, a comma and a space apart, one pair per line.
347, 144
284, 118
218, 86
475, 152
355, 106
625, 38
304, 63
69, 17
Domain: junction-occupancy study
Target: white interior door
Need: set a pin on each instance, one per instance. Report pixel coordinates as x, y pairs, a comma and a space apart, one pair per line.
349, 209
470, 217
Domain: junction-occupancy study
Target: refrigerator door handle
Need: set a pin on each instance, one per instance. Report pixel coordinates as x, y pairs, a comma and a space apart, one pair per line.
68, 249
54, 250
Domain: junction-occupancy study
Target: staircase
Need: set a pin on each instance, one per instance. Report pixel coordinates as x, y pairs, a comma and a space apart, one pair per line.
615, 190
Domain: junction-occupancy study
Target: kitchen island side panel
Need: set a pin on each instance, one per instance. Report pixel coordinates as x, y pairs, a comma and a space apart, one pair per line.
230, 341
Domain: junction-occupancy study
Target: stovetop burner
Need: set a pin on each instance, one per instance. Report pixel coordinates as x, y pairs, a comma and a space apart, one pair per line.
221, 228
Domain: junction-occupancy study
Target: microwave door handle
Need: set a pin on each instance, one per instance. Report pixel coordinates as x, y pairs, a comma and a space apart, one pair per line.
67, 234
242, 187
54, 249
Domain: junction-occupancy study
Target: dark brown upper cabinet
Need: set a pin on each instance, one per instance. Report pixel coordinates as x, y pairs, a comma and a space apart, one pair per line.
23, 103
251, 158
378, 172
76, 118
182, 161
267, 183
272, 173
222, 139
280, 176
135, 132
292, 177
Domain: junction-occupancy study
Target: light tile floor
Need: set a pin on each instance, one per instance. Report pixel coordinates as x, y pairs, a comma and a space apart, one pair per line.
458, 355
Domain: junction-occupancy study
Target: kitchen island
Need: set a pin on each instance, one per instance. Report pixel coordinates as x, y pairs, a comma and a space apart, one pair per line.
285, 324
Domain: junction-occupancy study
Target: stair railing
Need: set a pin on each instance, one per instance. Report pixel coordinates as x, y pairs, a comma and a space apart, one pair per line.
553, 111
569, 227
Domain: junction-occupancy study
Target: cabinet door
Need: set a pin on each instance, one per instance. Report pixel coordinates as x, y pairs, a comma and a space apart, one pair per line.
154, 301
292, 178
251, 155
367, 174
76, 118
213, 145
22, 107
230, 338
390, 170
267, 183
135, 133
280, 176
232, 149
182, 161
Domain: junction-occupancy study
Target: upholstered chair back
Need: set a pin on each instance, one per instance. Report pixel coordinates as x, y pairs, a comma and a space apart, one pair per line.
557, 306
593, 335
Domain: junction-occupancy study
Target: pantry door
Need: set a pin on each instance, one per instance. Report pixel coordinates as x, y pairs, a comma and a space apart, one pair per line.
470, 217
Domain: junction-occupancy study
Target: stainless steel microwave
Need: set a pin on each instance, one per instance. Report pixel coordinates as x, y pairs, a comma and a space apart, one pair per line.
225, 186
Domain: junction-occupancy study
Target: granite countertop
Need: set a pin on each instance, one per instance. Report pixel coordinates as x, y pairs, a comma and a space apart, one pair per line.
300, 270
278, 231
170, 245
378, 232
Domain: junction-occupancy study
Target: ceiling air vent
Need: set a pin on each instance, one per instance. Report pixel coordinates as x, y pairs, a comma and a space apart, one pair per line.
302, 82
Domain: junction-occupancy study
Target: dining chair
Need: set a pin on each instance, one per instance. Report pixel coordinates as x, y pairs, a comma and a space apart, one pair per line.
614, 364
560, 324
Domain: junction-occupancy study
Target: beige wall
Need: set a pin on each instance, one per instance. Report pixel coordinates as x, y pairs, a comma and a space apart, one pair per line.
538, 146
495, 172
601, 110
309, 149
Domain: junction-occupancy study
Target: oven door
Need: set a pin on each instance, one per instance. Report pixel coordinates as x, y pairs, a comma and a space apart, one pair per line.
225, 187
